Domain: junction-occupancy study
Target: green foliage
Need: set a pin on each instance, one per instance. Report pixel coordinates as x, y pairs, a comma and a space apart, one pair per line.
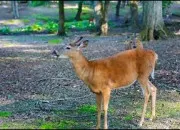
81, 25
5, 114
166, 3
38, 3
5, 30
51, 27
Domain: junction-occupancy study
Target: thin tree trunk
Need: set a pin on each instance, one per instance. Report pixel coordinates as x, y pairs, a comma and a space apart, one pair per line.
118, 7
14, 5
78, 15
153, 24
104, 26
101, 17
98, 15
134, 13
61, 30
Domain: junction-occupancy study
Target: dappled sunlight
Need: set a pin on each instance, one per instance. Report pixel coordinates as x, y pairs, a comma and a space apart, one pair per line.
177, 33
16, 22
69, 6
36, 51
24, 58
11, 45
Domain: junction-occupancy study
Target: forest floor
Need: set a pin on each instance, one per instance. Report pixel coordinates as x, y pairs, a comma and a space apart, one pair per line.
40, 91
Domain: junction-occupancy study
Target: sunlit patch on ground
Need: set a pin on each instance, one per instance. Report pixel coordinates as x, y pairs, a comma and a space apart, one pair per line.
16, 22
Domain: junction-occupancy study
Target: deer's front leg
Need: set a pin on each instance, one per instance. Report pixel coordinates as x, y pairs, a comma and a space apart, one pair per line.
106, 96
99, 103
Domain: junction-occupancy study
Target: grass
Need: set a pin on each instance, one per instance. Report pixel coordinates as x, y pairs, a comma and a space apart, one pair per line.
163, 109
91, 109
55, 41
63, 124
39, 124
5, 114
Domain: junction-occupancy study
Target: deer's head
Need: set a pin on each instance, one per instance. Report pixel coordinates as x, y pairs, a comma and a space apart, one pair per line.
73, 49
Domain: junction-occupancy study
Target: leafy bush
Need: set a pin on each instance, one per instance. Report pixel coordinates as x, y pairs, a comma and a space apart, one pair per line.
51, 27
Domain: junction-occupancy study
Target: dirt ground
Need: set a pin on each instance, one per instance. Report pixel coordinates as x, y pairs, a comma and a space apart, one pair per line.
37, 87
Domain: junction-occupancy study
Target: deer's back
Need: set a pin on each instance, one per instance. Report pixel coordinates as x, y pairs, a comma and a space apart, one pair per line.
122, 69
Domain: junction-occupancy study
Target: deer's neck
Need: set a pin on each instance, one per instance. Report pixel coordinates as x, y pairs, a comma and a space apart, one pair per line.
82, 67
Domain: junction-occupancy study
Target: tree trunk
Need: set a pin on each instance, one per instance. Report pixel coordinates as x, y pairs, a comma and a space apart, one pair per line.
123, 3
101, 17
153, 24
117, 8
78, 15
61, 30
14, 5
134, 13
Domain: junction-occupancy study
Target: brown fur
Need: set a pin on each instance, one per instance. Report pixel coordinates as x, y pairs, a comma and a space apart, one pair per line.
119, 70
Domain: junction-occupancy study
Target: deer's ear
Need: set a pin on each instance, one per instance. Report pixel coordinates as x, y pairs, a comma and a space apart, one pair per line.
83, 44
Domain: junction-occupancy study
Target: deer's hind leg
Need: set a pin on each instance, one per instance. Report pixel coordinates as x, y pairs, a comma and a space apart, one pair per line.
153, 91
144, 84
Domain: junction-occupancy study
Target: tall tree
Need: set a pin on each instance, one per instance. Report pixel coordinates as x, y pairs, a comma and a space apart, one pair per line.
61, 30
118, 7
14, 5
101, 17
153, 24
78, 15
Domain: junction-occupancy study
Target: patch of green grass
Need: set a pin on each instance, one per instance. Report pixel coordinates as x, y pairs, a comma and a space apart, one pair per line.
91, 109
168, 109
5, 114
163, 109
17, 125
55, 41
87, 109
64, 124
128, 117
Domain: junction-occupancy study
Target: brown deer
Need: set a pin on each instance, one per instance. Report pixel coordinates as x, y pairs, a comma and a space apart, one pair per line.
117, 71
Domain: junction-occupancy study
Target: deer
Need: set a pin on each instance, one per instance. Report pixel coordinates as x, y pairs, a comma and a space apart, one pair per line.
116, 71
